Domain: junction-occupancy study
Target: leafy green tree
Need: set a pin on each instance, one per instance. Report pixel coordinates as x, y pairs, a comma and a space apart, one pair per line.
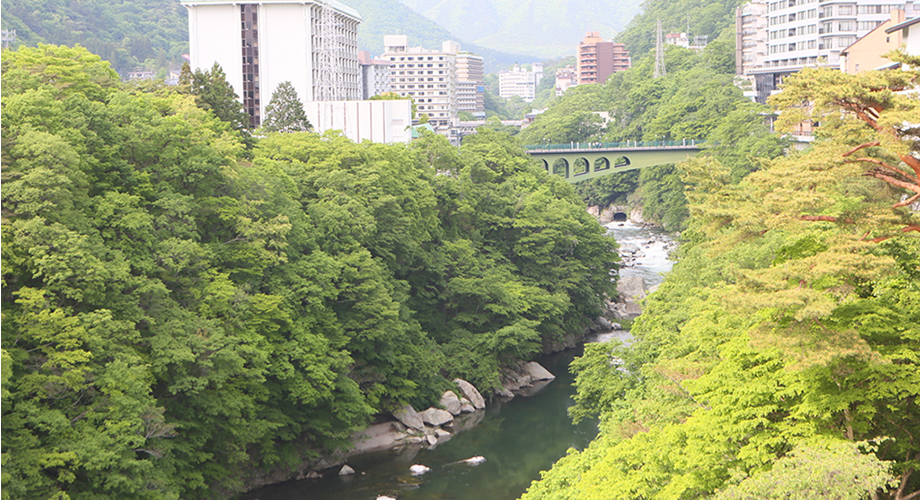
785, 335
284, 112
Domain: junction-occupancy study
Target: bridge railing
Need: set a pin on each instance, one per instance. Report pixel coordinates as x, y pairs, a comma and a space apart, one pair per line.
614, 145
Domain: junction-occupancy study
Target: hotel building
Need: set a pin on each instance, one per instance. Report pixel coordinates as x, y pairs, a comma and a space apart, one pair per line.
262, 44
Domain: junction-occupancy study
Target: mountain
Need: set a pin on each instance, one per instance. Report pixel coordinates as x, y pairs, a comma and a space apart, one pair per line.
153, 34
548, 28
713, 18
390, 17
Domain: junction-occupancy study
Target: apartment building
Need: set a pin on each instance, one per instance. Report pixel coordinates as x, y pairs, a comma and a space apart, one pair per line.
262, 44
597, 59
375, 75
428, 76
565, 78
750, 37
520, 82
803, 33
470, 88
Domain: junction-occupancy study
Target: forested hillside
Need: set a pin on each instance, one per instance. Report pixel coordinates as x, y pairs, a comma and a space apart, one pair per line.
181, 312
711, 18
546, 28
153, 34
150, 34
780, 358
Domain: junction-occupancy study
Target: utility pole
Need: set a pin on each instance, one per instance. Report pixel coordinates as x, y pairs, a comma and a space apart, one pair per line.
9, 36
659, 53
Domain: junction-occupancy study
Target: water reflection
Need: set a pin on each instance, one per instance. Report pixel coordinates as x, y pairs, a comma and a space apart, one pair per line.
518, 438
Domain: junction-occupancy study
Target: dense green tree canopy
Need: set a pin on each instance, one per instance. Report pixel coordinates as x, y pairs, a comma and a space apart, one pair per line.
182, 314
781, 354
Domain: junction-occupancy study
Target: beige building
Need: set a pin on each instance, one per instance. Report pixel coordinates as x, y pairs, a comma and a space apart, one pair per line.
565, 78
597, 59
750, 37
866, 53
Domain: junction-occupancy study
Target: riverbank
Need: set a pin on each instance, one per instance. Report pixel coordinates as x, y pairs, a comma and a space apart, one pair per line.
518, 437
644, 250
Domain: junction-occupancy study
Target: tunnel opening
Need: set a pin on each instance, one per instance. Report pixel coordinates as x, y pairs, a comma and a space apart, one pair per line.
620, 217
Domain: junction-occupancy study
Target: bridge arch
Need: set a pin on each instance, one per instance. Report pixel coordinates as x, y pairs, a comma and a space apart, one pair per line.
545, 165
601, 164
621, 161
561, 167
581, 166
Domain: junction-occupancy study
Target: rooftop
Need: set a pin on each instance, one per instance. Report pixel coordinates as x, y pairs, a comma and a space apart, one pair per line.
344, 9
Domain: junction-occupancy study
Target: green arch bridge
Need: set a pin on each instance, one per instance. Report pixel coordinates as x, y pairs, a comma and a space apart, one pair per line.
579, 161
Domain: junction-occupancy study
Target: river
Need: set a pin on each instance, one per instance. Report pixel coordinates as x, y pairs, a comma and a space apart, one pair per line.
519, 438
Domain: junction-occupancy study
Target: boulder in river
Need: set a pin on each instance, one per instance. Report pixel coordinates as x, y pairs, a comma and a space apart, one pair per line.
346, 470
450, 402
470, 392
418, 469
536, 371
436, 417
410, 418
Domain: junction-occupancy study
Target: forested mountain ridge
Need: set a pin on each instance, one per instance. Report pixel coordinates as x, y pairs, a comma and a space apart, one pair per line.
181, 312
545, 28
390, 17
781, 356
153, 34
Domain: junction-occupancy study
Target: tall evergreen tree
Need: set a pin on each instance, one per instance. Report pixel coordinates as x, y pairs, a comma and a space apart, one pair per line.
285, 112
214, 93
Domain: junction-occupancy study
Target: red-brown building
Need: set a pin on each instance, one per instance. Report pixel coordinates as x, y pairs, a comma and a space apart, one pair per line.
599, 58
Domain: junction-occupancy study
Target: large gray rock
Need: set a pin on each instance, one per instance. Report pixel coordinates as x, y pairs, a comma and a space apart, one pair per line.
631, 288
450, 402
470, 392
410, 418
346, 470
378, 437
536, 371
436, 417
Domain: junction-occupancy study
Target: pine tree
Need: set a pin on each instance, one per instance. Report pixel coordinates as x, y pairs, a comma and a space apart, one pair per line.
214, 93
285, 112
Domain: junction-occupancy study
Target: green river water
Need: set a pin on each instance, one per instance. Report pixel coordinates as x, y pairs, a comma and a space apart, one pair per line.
519, 438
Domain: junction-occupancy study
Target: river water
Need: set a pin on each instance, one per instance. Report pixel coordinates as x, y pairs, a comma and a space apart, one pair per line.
519, 438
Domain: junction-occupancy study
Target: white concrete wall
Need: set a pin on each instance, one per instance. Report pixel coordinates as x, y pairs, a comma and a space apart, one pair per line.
217, 40
376, 121
285, 54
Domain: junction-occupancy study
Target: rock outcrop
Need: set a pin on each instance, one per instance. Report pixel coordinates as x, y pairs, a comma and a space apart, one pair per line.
410, 418
436, 417
450, 402
471, 393
522, 376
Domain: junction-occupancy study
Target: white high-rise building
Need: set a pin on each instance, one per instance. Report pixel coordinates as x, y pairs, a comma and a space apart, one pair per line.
520, 82
428, 76
804, 33
262, 44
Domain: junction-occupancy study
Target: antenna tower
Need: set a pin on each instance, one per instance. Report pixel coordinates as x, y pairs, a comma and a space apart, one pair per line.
659, 53
329, 77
